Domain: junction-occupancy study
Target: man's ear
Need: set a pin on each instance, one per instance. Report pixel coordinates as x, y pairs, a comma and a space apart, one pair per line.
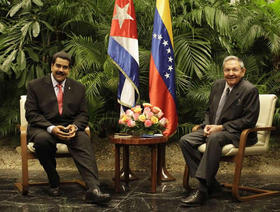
243, 71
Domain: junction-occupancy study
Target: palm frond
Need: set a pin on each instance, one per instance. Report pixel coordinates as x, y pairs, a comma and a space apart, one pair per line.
192, 54
86, 51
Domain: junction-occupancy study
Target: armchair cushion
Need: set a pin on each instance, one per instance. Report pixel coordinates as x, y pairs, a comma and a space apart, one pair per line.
61, 148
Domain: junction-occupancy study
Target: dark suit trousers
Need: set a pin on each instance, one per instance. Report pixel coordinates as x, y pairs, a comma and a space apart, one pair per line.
80, 149
204, 166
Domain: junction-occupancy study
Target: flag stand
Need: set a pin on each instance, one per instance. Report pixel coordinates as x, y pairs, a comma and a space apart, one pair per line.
165, 176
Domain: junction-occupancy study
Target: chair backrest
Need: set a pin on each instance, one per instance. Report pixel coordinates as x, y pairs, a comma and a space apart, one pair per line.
267, 108
23, 121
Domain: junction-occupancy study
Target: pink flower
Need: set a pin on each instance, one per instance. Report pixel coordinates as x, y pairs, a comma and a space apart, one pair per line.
147, 110
148, 123
149, 115
136, 116
131, 123
129, 112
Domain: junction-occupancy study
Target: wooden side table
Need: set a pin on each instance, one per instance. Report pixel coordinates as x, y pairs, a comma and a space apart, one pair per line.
125, 141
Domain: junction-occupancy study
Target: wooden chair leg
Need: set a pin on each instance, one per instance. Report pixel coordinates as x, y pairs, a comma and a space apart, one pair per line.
186, 178
25, 176
236, 188
23, 186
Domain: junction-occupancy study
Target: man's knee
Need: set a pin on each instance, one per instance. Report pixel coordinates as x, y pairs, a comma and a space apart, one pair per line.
183, 140
216, 139
43, 141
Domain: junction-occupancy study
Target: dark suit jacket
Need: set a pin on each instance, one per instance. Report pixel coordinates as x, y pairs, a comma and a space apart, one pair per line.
42, 108
241, 110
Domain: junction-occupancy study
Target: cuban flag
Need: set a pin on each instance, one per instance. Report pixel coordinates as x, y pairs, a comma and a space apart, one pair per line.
123, 49
162, 66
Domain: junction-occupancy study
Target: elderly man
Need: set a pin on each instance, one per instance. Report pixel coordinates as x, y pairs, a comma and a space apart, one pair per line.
233, 107
56, 111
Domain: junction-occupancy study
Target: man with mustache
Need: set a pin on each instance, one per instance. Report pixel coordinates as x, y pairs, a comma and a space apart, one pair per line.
56, 111
233, 106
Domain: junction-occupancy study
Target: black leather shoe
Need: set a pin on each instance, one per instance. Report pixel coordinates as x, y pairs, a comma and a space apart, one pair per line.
54, 192
96, 196
197, 198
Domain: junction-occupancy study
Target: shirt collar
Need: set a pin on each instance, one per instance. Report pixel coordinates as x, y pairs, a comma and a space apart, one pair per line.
55, 83
227, 86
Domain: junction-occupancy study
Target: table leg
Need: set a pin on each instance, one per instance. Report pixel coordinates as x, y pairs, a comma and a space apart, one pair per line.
153, 167
165, 175
159, 164
117, 168
126, 163
131, 175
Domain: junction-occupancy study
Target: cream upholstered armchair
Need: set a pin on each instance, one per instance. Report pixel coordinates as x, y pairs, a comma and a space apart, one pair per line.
236, 155
28, 152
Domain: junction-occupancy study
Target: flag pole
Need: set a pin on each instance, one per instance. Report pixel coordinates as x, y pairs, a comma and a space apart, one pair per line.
123, 50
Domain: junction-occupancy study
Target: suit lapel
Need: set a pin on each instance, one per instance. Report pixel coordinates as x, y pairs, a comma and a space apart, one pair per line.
217, 97
49, 86
67, 91
233, 96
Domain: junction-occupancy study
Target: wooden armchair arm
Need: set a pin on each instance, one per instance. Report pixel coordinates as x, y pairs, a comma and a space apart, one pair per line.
244, 135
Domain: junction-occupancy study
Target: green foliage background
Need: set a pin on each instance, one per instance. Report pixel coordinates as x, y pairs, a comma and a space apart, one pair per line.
205, 31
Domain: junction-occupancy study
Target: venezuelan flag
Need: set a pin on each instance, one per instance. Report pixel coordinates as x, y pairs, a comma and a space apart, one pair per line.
162, 66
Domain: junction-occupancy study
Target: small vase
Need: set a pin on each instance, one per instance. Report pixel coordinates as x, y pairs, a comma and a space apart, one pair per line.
140, 133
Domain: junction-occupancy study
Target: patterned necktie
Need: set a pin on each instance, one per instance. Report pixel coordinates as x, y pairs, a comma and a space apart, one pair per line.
221, 105
60, 98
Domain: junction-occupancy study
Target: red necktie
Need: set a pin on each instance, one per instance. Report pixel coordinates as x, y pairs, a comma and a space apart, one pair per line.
59, 98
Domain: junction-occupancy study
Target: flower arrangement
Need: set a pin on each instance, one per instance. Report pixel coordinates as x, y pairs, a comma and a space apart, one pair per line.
143, 120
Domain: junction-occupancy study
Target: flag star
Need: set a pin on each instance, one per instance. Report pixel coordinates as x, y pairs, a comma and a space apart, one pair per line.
159, 36
167, 75
170, 59
168, 50
170, 68
165, 42
154, 35
122, 14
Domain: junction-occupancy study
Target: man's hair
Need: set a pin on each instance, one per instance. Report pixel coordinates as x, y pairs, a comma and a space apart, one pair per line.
231, 57
62, 55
